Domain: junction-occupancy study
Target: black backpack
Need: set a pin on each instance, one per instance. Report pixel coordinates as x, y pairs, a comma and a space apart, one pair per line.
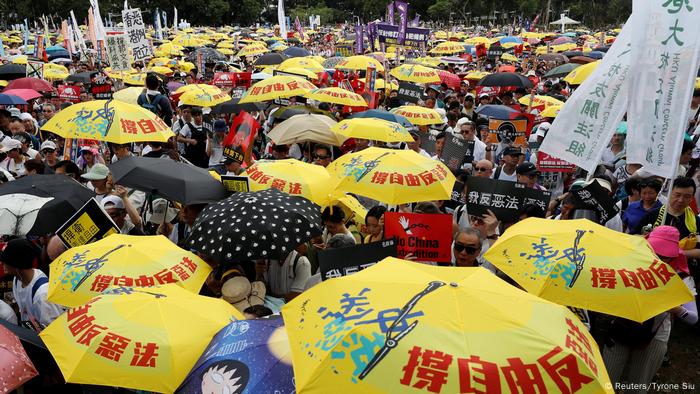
152, 105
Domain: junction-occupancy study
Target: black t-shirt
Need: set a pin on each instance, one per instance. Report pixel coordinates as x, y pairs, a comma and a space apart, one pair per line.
197, 154
676, 221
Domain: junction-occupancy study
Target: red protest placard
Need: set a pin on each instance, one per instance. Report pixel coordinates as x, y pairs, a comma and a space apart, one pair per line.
427, 236
547, 163
69, 93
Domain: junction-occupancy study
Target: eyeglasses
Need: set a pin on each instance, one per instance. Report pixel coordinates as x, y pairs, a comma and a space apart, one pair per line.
319, 157
481, 169
46, 110
47, 151
461, 247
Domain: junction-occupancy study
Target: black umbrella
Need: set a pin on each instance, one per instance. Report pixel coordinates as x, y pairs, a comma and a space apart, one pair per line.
255, 225
287, 112
561, 71
603, 48
68, 197
84, 77
571, 54
269, 59
296, 52
12, 71
232, 107
210, 55
553, 57
173, 180
505, 79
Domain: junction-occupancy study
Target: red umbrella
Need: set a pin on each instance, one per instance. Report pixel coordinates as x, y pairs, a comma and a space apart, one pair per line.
26, 94
15, 366
30, 83
451, 80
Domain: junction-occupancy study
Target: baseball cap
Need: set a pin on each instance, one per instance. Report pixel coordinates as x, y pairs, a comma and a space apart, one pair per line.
483, 95
97, 172
512, 151
220, 126
25, 116
47, 145
10, 143
113, 202
526, 168
621, 128
531, 73
14, 112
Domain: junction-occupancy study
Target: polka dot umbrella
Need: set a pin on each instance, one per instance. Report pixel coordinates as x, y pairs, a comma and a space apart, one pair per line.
255, 225
15, 366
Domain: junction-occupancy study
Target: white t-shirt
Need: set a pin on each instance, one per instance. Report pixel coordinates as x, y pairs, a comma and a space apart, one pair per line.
283, 278
13, 167
38, 308
503, 176
7, 313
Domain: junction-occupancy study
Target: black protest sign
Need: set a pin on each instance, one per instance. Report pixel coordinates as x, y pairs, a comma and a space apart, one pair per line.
89, 224
596, 198
409, 93
335, 263
503, 198
457, 198
456, 152
235, 184
428, 142
494, 51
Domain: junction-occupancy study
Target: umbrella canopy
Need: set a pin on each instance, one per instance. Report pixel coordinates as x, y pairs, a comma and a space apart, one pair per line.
336, 95
581, 60
296, 52
419, 115
65, 197
30, 83
547, 101
392, 176
173, 180
306, 127
551, 111
270, 59
210, 55
16, 368
582, 264
24, 94
204, 98
301, 62
11, 71
506, 80
286, 113
359, 62
372, 129
415, 73
291, 176
279, 86
451, 80
9, 99
84, 272
136, 338
497, 111
578, 75
399, 326
255, 225
262, 362
128, 95
233, 107
331, 62
109, 121
84, 77
553, 57
448, 48
382, 114
561, 71
253, 49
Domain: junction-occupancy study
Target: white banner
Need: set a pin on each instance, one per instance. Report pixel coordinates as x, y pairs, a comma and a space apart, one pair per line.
584, 126
282, 19
136, 33
118, 53
175, 21
666, 52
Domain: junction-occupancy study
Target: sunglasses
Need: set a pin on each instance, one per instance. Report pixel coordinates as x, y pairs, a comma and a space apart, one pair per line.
481, 169
46, 110
461, 247
321, 157
47, 151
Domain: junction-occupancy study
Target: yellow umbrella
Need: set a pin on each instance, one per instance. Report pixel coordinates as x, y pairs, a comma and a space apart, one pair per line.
476, 75
336, 95
109, 121
697, 83
478, 40
3, 83
359, 62
579, 74
418, 115
252, 49
226, 51
351, 207
160, 61
279, 86
372, 129
293, 177
428, 61
448, 47
582, 264
392, 176
551, 112
20, 59
54, 75
129, 95
184, 66
135, 79
301, 62
204, 97
380, 84
415, 73
400, 327
299, 71
226, 44
197, 86
509, 57
139, 338
187, 40
316, 58
547, 101
84, 272
161, 70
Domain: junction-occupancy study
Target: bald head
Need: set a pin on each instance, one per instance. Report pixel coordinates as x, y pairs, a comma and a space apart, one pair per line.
55, 247
483, 169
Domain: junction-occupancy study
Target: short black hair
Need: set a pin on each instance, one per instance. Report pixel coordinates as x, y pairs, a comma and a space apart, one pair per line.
632, 184
34, 165
687, 146
531, 211
337, 216
152, 82
258, 310
682, 182
70, 168
440, 135
376, 212
652, 183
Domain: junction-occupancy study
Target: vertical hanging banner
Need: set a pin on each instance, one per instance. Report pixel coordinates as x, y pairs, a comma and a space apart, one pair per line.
359, 42
117, 52
175, 22
402, 7
665, 51
156, 24
584, 125
282, 19
299, 28
390, 13
135, 30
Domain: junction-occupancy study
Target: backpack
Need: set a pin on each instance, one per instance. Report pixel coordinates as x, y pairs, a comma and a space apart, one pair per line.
294, 265
152, 105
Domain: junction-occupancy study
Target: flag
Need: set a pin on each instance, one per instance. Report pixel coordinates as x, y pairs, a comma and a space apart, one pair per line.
666, 48
586, 122
390, 13
92, 34
26, 34
402, 7
281, 19
175, 19
359, 39
242, 133
480, 50
156, 24
416, 21
534, 22
299, 28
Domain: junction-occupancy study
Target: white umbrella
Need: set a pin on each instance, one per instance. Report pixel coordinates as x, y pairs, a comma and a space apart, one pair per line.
563, 21
306, 127
18, 211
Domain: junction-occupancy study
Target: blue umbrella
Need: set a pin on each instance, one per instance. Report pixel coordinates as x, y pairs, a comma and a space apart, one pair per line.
381, 114
497, 111
10, 99
296, 52
246, 356
55, 48
514, 39
594, 54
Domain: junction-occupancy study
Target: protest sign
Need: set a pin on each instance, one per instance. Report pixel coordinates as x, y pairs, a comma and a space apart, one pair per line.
235, 184
457, 197
242, 133
89, 224
69, 93
426, 236
409, 93
428, 142
596, 198
503, 198
237, 93
135, 30
117, 52
509, 131
388, 34
494, 51
335, 263
101, 86
35, 69
456, 152
370, 78
547, 163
